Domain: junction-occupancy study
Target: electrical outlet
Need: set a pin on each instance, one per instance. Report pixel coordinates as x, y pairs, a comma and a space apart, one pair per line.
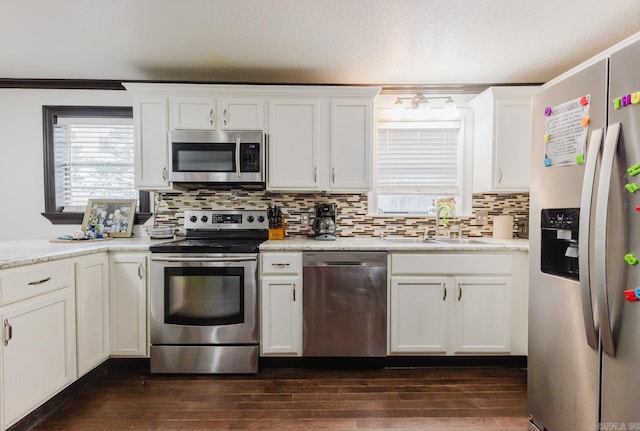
482, 217
305, 219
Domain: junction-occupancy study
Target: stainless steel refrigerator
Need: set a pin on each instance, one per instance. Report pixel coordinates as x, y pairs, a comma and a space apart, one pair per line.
584, 336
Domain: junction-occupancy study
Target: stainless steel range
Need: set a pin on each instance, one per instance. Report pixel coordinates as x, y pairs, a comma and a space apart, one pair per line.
204, 294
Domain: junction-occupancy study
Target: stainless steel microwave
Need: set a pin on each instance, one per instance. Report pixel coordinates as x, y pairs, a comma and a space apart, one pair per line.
233, 158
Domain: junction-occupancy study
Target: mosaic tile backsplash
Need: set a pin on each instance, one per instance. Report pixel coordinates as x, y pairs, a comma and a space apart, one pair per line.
353, 219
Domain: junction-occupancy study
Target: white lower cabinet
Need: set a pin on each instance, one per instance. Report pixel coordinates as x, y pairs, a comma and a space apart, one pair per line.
38, 352
458, 304
419, 311
128, 304
281, 304
92, 311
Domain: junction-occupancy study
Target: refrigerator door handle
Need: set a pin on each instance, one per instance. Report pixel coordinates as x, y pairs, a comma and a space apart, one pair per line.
600, 238
586, 202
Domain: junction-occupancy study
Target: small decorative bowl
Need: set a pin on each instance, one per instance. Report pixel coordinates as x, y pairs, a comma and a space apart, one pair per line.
161, 232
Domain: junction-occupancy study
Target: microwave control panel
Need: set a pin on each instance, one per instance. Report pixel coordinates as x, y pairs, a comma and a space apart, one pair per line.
249, 157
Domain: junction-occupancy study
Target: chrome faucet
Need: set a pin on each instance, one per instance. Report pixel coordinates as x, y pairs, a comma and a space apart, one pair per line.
439, 215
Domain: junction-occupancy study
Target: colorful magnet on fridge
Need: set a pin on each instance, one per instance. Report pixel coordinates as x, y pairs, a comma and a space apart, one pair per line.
636, 291
630, 295
630, 259
634, 170
638, 208
546, 138
631, 187
547, 111
584, 121
547, 162
584, 100
580, 159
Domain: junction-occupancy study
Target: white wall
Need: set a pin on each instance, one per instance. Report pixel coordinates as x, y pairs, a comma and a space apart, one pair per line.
21, 156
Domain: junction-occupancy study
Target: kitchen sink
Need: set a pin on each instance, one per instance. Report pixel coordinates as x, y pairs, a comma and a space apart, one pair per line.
461, 241
408, 240
452, 241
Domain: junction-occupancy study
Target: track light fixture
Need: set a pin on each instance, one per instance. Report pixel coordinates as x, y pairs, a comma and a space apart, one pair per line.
421, 101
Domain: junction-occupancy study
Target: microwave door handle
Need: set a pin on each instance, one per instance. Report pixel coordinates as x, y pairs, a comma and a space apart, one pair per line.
586, 202
238, 157
603, 273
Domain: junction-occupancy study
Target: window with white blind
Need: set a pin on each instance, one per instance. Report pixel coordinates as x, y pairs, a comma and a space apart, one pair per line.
93, 160
89, 154
420, 165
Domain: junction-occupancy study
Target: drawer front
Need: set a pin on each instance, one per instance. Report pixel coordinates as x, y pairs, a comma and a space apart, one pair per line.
450, 263
32, 280
281, 263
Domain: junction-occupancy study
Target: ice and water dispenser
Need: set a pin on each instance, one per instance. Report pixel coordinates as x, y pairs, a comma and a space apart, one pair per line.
559, 242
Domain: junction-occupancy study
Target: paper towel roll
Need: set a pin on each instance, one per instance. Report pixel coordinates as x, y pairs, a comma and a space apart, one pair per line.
503, 227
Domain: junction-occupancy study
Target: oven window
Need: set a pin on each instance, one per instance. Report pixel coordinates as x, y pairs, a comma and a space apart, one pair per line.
203, 157
204, 296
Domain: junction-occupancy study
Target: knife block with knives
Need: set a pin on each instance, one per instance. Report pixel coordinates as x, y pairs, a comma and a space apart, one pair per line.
276, 222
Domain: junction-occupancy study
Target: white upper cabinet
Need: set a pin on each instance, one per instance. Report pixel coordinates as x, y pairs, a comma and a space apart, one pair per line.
319, 137
502, 139
150, 119
320, 144
350, 145
215, 111
193, 112
241, 113
294, 144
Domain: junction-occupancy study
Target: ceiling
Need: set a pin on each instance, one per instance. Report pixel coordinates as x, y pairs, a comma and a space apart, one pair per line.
381, 42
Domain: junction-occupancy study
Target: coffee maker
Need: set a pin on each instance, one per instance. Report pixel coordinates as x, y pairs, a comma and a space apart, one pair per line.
324, 224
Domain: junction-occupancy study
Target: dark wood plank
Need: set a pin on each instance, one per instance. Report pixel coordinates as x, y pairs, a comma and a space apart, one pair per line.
451, 399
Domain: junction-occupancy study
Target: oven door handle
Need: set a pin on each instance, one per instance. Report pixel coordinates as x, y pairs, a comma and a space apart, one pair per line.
202, 259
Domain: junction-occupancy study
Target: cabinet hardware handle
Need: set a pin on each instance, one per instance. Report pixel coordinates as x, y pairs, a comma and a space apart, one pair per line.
8, 332
459, 291
224, 116
44, 280
164, 173
499, 175
315, 174
280, 265
211, 116
141, 272
444, 292
294, 292
333, 175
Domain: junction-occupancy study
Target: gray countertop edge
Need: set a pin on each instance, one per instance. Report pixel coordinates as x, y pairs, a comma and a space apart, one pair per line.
17, 253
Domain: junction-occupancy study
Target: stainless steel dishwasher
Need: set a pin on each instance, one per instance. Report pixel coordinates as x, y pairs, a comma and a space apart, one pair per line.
345, 304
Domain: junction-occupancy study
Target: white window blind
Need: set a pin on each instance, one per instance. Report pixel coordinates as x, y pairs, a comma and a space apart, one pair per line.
93, 160
417, 163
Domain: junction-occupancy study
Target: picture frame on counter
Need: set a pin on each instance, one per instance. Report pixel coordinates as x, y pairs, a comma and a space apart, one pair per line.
113, 217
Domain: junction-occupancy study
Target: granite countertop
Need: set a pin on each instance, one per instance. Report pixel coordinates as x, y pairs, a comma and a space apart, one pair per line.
377, 244
25, 252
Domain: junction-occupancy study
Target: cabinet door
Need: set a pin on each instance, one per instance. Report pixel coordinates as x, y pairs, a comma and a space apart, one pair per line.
482, 318
193, 112
281, 314
150, 115
294, 142
420, 314
128, 291
92, 311
242, 114
350, 147
512, 144
38, 353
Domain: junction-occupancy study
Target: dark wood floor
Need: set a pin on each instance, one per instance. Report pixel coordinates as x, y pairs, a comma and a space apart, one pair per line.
452, 399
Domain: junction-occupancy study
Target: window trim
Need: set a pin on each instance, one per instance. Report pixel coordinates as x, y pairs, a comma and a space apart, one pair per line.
50, 113
466, 126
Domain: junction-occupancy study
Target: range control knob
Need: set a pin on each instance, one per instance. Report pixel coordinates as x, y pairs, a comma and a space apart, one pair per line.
204, 219
250, 219
260, 219
193, 219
